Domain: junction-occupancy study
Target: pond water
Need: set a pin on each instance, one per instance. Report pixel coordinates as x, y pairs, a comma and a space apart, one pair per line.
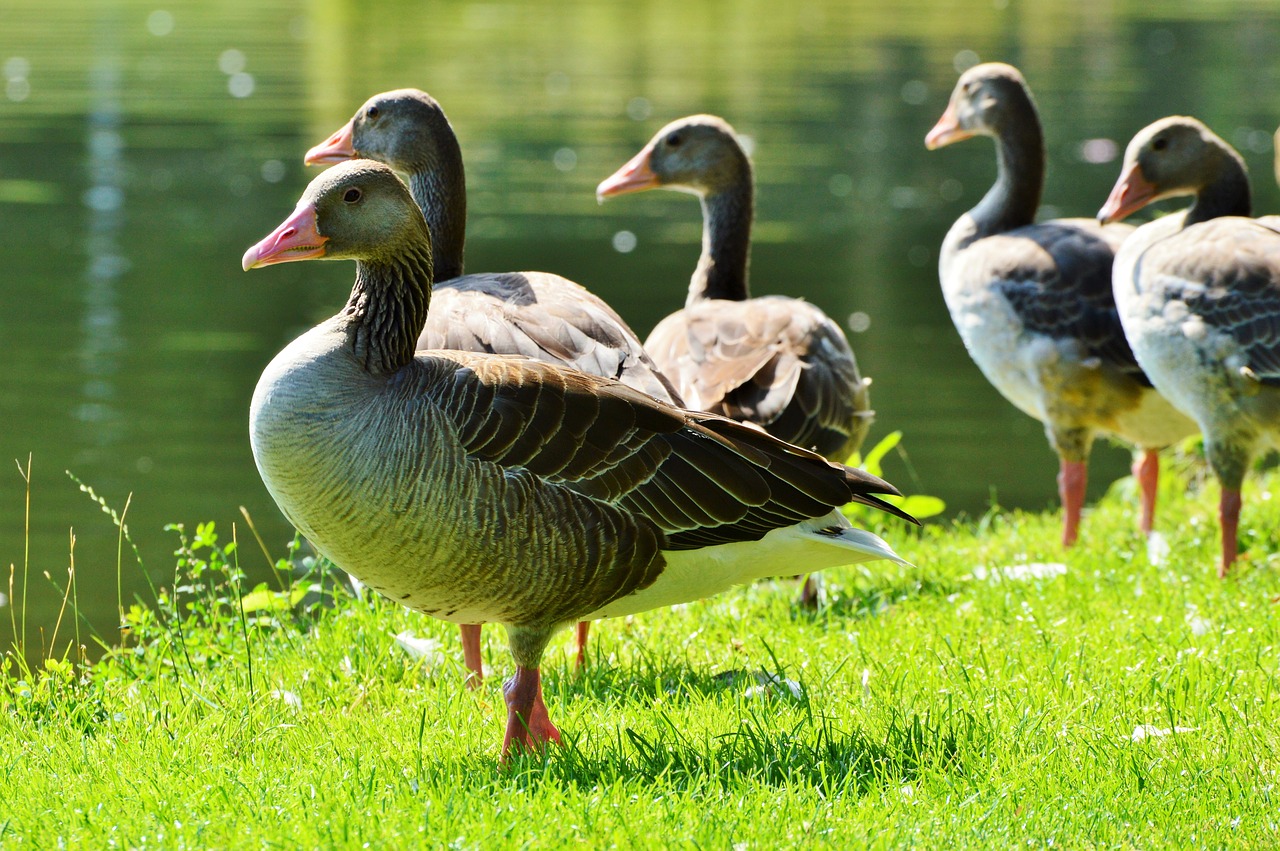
144, 146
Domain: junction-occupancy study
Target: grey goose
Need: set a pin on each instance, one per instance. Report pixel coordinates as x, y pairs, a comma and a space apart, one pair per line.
1033, 304
489, 488
536, 314
1199, 295
775, 361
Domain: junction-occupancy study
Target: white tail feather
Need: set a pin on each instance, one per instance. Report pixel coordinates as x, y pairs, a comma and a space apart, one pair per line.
806, 547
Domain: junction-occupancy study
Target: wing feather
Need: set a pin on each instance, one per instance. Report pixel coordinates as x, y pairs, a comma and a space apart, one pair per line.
1056, 276
1232, 280
775, 361
698, 477
545, 318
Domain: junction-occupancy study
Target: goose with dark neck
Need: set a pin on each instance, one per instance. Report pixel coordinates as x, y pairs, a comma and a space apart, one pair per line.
478, 487
778, 362
1199, 295
535, 314
1033, 303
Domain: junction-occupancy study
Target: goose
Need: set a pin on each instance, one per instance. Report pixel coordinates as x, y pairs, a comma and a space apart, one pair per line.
478, 487
536, 314
775, 361
1033, 303
1199, 295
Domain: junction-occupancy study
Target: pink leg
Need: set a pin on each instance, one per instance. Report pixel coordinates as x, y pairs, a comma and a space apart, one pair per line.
1072, 477
471, 653
1146, 470
1229, 518
583, 628
809, 592
529, 727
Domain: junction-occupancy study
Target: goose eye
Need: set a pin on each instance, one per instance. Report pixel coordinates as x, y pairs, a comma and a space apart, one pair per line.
1159, 144
674, 140
372, 112
351, 196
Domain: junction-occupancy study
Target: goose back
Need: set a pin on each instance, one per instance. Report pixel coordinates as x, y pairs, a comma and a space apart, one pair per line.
777, 362
546, 318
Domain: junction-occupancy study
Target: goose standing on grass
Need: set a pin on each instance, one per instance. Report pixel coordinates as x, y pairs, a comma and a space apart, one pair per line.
1199, 294
477, 487
1033, 302
536, 314
778, 362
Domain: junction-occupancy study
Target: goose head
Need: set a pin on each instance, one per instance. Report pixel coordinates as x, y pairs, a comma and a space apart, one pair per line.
402, 128
699, 154
1174, 156
981, 103
357, 210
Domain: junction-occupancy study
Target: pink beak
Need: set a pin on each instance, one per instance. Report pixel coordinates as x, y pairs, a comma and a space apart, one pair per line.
946, 131
632, 177
335, 149
1131, 193
295, 239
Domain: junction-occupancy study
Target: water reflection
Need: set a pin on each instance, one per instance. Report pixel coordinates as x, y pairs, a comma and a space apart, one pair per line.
101, 339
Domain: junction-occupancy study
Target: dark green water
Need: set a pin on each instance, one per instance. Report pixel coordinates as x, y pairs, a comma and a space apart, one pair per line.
143, 147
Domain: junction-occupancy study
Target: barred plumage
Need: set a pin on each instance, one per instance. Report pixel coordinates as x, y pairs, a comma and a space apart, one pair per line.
1199, 296
1033, 304
481, 487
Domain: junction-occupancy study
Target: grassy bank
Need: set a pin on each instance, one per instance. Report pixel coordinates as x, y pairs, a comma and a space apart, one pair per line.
1089, 699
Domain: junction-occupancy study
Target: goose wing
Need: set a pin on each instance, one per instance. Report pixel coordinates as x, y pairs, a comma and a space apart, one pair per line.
543, 317
778, 362
1056, 276
1231, 280
700, 478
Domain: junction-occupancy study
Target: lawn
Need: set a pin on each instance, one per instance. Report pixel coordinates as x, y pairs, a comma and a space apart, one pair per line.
999, 693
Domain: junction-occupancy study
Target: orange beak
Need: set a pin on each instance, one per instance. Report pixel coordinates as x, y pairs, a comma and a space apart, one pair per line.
1131, 193
335, 149
635, 176
946, 131
295, 239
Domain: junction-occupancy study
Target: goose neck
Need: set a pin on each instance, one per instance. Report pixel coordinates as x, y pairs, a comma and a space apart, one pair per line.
726, 244
1228, 194
1014, 198
440, 191
387, 309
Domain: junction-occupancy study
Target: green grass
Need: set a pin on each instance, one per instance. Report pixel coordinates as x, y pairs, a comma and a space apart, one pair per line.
935, 706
